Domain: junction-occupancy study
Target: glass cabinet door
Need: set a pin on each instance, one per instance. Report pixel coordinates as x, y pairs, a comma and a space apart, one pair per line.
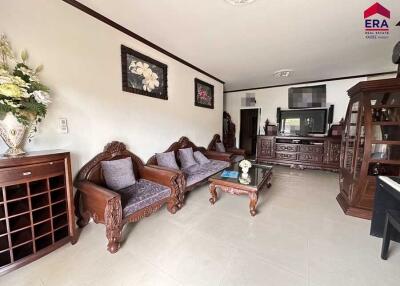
360, 143
350, 136
385, 134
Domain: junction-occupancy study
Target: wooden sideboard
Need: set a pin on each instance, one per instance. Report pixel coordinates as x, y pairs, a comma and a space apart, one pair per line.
36, 207
302, 152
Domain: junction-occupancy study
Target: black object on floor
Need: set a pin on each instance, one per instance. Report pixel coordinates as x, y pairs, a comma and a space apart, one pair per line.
392, 224
387, 197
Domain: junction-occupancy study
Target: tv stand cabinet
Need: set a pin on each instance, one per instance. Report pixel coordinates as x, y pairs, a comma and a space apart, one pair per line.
300, 152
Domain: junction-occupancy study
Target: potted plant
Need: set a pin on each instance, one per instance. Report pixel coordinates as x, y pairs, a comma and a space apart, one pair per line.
23, 99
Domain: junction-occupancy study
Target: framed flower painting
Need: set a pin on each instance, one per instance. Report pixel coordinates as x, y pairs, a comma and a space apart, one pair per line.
143, 75
203, 94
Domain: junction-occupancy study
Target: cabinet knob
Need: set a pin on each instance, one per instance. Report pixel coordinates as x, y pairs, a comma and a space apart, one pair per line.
26, 173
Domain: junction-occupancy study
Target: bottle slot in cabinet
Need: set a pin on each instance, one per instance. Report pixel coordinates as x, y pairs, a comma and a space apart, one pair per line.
21, 221
16, 191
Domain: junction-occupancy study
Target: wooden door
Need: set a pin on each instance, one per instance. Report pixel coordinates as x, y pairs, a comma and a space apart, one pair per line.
249, 130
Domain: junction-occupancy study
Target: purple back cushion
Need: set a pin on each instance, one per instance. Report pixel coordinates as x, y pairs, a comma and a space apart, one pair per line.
118, 174
219, 146
186, 157
200, 158
167, 160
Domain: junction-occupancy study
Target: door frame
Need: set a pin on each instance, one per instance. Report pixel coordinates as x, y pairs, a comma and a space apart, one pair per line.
240, 121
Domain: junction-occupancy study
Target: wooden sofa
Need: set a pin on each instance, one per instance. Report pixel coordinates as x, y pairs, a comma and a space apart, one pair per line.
219, 162
155, 187
237, 154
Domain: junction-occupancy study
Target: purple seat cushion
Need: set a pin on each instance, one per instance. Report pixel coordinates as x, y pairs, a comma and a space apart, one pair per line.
186, 157
167, 160
118, 174
200, 158
142, 194
219, 147
198, 173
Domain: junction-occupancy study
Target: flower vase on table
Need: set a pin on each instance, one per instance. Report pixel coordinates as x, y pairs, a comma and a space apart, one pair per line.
245, 165
23, 99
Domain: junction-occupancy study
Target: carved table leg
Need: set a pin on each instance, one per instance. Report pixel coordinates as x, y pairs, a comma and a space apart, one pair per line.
113, 221
213, 193
253, 202
269, 180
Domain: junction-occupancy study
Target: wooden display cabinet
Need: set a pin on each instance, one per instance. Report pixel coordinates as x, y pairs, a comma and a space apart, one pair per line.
36, 207
370, 143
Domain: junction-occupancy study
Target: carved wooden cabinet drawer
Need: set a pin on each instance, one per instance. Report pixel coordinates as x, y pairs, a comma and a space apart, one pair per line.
311, 157
312, 149
286, 156
29, 171
286, 147
265, 147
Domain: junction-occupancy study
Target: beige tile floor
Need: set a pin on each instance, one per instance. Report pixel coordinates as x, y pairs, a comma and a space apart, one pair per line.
299, 237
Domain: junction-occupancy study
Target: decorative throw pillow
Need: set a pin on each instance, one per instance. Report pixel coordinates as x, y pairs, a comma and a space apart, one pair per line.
186, 157
200, 158
118, 174
167, 160
219, 146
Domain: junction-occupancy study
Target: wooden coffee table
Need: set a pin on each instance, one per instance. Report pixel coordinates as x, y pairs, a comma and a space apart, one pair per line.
259, 176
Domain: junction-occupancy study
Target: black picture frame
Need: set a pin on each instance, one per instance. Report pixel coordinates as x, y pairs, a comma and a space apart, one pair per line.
130, 79
198, 84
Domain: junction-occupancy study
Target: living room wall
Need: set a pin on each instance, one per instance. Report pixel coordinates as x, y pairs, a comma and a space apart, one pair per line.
82, 67
269, 99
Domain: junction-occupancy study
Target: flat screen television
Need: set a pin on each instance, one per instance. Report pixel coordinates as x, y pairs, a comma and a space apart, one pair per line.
303, 122
307, 96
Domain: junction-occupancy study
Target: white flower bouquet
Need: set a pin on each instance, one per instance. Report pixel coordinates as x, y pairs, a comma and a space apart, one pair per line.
245, 164
21, 92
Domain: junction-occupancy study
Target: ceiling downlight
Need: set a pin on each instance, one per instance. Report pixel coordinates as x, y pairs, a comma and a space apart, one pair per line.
239, 2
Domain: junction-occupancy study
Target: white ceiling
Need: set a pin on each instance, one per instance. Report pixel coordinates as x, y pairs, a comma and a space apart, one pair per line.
243, 46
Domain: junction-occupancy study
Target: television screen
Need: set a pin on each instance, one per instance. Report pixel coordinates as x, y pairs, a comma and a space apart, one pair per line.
303, 122
308, 96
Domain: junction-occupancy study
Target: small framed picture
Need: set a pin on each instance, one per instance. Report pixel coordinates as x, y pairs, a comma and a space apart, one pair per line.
203, 94
143, 75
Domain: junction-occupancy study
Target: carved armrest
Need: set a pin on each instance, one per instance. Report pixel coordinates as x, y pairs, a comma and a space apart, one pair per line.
162, 176
181, 179
236, 151
218, 155
96, 199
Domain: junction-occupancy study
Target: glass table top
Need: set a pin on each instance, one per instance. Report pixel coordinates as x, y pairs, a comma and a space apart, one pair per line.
255, 177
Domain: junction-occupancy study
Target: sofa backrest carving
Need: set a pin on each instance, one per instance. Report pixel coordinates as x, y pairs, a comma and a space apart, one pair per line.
113, 151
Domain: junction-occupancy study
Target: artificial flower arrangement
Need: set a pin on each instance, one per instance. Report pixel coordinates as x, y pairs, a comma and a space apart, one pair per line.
22, 95
245, 165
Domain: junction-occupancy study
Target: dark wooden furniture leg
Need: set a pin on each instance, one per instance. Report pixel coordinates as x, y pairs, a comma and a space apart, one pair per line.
213, 193
392, 222
386, 239
253, 202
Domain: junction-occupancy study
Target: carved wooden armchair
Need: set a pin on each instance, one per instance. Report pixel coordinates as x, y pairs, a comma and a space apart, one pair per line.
153, 189
220, 161
238, 154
